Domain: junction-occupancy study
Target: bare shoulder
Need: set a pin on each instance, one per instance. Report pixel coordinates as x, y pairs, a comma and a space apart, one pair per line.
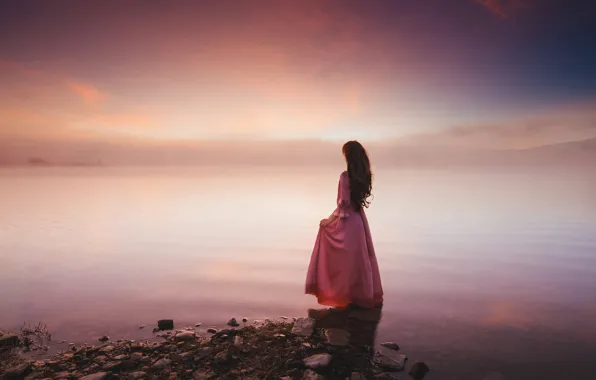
344, 175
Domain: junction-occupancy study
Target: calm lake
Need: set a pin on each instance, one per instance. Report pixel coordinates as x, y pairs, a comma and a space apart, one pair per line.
484, 269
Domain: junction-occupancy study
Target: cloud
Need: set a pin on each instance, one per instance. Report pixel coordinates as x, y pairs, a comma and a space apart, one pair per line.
89, 94
571, 123
506, 8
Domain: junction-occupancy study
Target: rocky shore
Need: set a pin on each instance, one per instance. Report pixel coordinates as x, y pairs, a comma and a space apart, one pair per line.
313, 348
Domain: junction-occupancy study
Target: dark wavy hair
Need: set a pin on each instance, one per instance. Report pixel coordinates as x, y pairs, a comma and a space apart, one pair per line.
359, 173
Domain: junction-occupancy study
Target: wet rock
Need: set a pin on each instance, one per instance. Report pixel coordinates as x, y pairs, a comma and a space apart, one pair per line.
238, 340
419, 370
106, 349
111, 366
186, 336
203, 375
198, 324
212, 331
165, 324
391, 345
222, 358
18, 372
120, 357
9, 340
244, 319
95, 376
161, 364
309, 374
138, 375
317, 361
142, 327
104, 339
357, 376
136, 356
303, 327
337, 337
285, 378
393, 363
233, 322
204, 352
128, 365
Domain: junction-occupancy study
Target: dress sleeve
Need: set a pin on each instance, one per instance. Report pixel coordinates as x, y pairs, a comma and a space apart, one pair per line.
344, 205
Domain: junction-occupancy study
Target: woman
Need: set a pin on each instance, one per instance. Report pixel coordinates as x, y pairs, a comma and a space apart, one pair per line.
343, 268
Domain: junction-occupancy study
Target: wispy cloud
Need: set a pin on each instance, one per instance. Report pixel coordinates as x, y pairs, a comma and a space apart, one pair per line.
89, 94
571, 123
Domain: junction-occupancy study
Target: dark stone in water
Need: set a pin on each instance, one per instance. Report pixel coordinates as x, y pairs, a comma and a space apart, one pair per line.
391, 345
104, 339
233, 322
419, 370
212, 331
165, 324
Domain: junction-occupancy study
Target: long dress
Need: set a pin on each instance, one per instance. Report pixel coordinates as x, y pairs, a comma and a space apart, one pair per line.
343, 267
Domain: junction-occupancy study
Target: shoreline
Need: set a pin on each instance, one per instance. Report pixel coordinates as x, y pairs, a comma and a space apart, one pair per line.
328, 344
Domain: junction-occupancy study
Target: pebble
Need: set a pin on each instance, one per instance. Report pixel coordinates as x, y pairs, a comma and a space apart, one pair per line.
161, 364
233, 322
303, 327
136, 375
394, 363
238, 340
104, 339
185, 336
212, 331
317, 361
244, 319
198, 324
142, 327
95, 376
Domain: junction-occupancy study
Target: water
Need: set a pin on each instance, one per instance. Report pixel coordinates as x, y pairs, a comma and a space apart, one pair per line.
483, 270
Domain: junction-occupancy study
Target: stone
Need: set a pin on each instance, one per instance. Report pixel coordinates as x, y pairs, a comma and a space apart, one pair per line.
212, 331
185, 336
142, 327
419, 370
204, 352
285, 378
391, 345
128, 365
165, 324
202, 375
357, 376
18, 372
309, 374
106, 349
238, 340
111, 366
120, 357
303, 327
198, 324
222, 358
161, 364
136, 356
317, 361
95, 376
9, 340
137, 375
104, 339
233, 322
244, 319
337, 337
393, 363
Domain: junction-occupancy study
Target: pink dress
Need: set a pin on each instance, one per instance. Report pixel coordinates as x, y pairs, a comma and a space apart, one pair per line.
343, 267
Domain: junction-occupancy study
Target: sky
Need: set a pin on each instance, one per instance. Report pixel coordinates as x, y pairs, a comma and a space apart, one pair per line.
468, 73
